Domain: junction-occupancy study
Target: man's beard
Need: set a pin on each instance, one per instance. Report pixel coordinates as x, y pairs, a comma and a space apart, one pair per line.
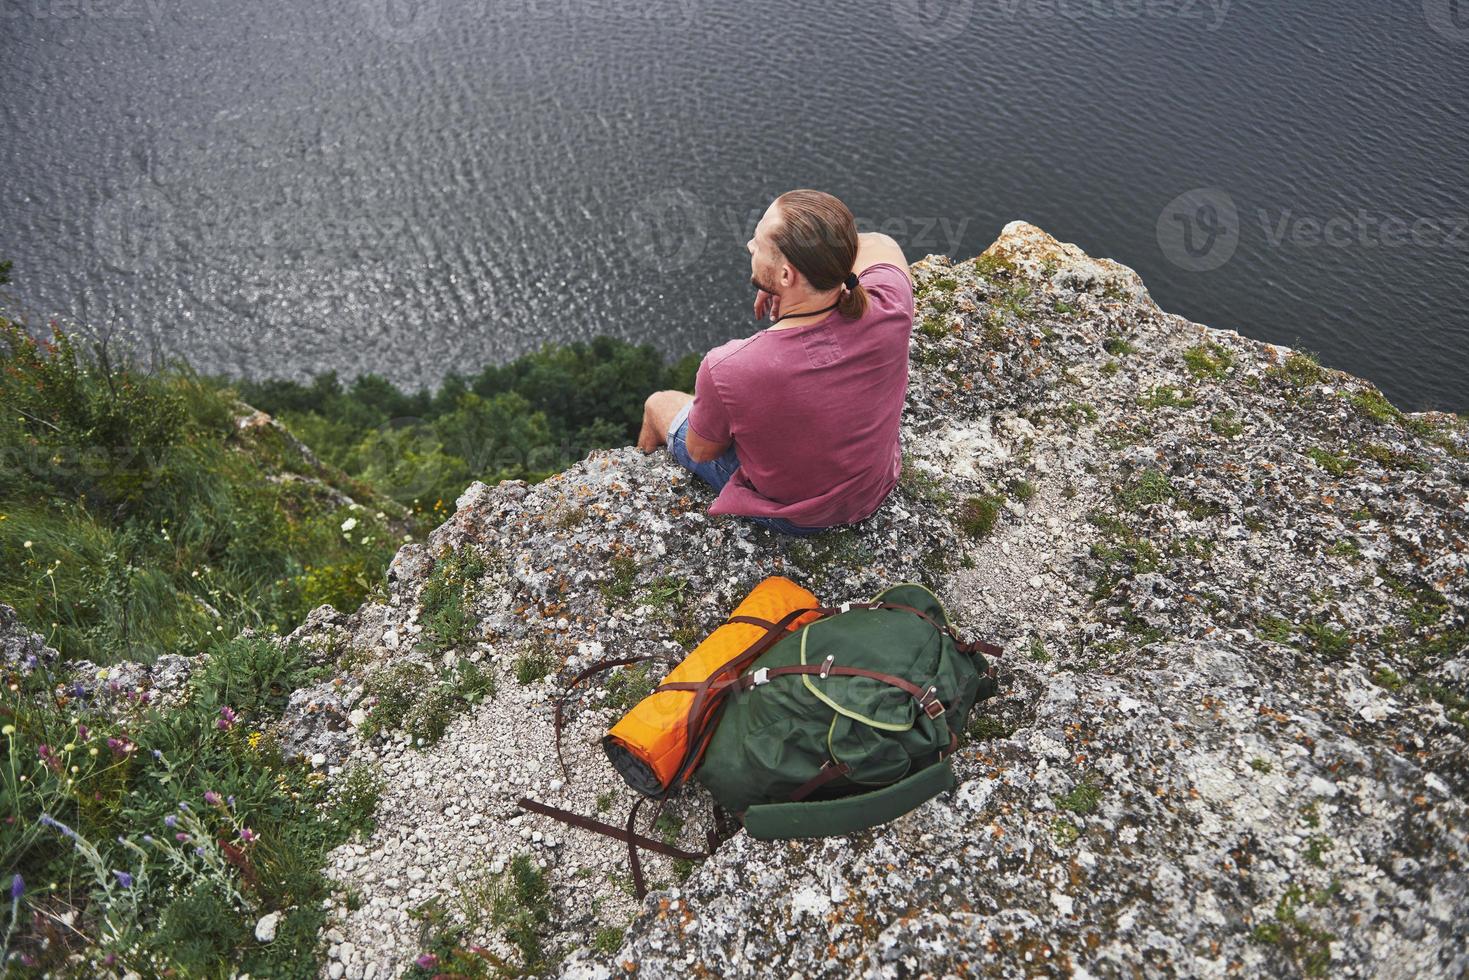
755, 281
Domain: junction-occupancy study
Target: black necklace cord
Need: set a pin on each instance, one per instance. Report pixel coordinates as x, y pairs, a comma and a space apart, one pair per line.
824, 309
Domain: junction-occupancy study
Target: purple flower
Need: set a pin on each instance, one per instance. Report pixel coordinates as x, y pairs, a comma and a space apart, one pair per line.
49, 821
227, 718
183, 806
157, 754
247, 835
428, 961
82, 732
78, 691
17, 887
147, 838
124, 879
232, 800
170, 820
199, 851
211, 797
180, 837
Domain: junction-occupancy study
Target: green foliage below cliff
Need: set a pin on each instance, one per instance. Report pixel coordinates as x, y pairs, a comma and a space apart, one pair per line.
524, 420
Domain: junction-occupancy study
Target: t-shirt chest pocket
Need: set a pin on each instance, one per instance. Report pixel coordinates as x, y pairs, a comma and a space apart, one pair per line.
822, 346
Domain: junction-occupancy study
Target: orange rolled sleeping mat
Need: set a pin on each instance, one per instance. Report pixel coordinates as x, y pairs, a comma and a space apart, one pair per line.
650, 746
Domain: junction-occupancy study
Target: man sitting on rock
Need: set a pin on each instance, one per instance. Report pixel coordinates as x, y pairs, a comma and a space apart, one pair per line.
797, 426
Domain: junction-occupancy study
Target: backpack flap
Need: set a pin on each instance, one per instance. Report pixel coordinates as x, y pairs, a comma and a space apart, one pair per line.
848, 814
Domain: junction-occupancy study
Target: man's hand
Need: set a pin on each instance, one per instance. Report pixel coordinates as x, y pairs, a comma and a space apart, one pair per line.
766, 304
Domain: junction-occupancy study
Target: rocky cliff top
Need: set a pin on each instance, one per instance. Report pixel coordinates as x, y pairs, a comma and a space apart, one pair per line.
1231, 588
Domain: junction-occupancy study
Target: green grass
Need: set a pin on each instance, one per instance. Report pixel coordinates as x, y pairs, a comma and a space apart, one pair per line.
1226, 424
1333, 463
1208, 360
992, 266
1374, 405
1022, 490
626, 686
534, 662
977, 515
422, 700
1308, 948
137, 519
447, 599
1118, 347
263, 829
1299, 369
1164, 396
1151, 486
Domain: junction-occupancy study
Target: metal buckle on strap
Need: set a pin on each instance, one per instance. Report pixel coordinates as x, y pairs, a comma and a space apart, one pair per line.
826, 666
844, 607
761, 676
930, 703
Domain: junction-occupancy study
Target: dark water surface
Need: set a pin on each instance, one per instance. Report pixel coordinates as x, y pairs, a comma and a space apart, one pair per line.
274, 188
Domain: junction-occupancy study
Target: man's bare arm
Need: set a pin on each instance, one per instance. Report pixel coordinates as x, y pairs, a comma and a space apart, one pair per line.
873, 248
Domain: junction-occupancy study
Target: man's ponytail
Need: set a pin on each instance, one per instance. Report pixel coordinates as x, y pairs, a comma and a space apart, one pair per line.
818, 235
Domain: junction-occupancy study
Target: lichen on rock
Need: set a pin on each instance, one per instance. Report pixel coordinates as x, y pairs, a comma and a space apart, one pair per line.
1231, 587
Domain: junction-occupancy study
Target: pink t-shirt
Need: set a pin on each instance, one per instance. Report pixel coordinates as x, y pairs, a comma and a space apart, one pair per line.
813, 410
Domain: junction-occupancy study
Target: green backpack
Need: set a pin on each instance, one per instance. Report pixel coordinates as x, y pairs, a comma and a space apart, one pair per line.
842, 725
848, 722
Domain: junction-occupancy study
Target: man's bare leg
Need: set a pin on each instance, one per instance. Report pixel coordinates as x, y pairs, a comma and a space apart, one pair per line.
658, 412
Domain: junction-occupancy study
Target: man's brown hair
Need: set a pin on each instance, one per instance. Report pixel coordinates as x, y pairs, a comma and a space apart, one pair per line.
818, 235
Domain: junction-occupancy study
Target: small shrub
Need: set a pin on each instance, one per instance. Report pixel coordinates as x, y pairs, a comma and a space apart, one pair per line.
977, 515
1208, 360
534, 663
1151, 487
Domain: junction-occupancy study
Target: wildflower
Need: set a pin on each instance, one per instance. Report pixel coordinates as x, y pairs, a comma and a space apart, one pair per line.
199, 851
124, 879
83, 732
428, 961
147, 838
120, 746
349, 524
253, 740
181, 837
227, 718
28, 544
230, 800
17, 887
7, 730
77, 691
247, 835
170, 821
183, 806
92, 750
50, 821
211, 797
157, 754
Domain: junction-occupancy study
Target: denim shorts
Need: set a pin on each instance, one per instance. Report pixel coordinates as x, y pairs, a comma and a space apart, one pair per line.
717, 472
